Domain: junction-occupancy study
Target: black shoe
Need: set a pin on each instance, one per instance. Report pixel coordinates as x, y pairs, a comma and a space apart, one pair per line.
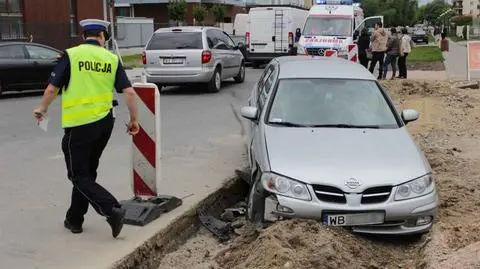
116, 220
73, 228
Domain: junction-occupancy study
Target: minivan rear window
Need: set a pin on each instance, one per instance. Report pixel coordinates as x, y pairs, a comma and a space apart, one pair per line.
176, 40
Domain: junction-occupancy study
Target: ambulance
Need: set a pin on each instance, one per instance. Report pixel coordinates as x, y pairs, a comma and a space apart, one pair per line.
333, 25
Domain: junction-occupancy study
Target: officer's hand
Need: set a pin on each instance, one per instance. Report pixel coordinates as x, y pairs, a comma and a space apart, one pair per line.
133, 127
39, 113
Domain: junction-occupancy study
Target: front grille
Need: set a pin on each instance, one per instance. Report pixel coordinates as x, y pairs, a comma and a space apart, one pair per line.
329, 194
376, 194
317, 51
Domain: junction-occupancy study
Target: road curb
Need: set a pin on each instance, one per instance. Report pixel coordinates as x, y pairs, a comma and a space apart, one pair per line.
151, 252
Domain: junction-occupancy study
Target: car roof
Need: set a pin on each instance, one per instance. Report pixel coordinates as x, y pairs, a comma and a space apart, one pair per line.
4, 43
186, 29
322, 67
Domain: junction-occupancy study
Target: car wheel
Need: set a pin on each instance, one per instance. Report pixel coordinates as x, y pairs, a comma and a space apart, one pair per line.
159, 88
256, 201
215, 82
240, 77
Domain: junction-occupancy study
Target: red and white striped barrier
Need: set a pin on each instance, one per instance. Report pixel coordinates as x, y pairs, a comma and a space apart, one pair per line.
146, 148
147, 205
353, 52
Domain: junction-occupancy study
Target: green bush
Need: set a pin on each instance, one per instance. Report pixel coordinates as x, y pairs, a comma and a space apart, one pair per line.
462, 20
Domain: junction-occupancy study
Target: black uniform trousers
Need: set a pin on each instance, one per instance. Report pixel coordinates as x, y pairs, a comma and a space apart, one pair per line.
402, 66
82, 146
377, 56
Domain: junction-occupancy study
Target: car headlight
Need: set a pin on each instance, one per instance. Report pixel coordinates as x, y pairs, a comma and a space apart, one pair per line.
285, 186
415, 188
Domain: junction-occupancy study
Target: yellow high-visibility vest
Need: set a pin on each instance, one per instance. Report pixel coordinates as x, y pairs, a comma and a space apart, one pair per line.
89, 95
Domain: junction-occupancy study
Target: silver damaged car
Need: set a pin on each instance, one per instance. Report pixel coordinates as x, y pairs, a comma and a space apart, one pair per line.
327, 143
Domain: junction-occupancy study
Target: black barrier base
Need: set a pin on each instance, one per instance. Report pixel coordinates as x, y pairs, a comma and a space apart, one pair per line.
141, 212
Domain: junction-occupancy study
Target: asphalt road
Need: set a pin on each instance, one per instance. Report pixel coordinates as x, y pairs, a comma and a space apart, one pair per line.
201, 143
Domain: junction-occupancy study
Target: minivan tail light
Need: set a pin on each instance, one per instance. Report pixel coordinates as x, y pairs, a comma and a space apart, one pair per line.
206, 56
144, 58
247, 39
290, 38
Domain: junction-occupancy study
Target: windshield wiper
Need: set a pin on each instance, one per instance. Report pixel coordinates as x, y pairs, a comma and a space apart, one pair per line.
345, 126
288, 124
184, 47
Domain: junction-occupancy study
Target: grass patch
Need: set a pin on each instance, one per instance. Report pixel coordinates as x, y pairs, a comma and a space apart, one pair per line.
132, 61
425, 54
431, 39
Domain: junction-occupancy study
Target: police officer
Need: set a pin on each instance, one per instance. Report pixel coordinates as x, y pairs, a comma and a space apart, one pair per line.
87, 75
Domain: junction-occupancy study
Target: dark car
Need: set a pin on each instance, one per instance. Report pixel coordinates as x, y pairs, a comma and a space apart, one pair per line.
420, 36
25, 65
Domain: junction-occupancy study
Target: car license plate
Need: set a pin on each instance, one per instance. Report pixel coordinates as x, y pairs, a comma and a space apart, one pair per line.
172, 60
353, 219
419, 39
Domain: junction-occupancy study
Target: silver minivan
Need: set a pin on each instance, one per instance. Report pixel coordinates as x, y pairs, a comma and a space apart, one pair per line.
193, 55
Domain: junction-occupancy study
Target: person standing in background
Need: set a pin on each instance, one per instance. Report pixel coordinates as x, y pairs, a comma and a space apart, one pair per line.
379, 46
405, 49
363, 47
393, 47
444, 43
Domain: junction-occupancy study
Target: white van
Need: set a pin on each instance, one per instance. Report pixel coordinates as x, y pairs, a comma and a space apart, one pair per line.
270, 32
240, 24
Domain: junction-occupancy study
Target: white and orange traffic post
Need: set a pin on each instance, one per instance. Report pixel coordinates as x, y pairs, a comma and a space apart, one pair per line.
146, 204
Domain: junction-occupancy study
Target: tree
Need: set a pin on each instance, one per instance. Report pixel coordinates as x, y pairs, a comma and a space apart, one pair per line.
395, 12
176, 10
199, 12
218, 12
434, 9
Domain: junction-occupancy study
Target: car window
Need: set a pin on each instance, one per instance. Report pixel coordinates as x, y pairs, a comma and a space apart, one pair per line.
271, 79
228, 41
176, 40
316, 102
211, 39
37, 52
12, 52
262, 96
219, 40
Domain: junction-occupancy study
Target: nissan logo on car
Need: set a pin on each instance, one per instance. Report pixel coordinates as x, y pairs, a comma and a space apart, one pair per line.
352, 183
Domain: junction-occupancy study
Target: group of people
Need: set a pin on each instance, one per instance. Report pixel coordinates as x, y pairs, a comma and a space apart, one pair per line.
386, 50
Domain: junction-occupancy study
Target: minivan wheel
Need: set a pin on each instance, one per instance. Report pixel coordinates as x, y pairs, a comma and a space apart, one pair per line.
215, 82
240, 77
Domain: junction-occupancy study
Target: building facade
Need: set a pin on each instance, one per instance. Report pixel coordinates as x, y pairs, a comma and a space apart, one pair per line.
54, 23
157, 9
467, 7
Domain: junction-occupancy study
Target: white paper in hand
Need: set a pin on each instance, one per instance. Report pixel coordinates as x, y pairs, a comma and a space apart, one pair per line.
43, 124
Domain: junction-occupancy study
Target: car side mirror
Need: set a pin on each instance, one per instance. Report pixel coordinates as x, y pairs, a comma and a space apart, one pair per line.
409, 115
250, 113
58, 57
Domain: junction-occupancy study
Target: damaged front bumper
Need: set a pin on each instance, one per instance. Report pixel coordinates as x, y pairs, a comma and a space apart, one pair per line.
413, 216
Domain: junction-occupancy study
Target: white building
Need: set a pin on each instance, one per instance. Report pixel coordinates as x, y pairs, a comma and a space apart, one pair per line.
467, 7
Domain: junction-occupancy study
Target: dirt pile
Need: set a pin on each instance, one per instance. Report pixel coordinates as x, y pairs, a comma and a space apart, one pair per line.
306, 244
448, 130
